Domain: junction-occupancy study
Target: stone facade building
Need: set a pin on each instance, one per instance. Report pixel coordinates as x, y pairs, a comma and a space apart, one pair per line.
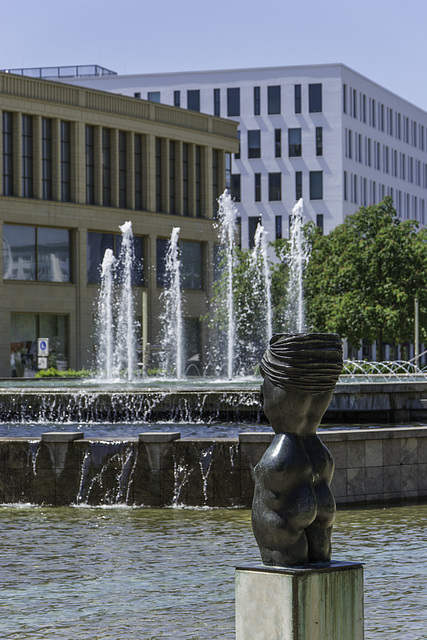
76, 163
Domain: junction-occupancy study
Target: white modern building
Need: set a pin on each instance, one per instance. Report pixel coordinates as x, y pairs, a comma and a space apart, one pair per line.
323, 132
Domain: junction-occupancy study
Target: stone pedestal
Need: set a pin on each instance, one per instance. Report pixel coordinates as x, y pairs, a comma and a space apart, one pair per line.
314, 602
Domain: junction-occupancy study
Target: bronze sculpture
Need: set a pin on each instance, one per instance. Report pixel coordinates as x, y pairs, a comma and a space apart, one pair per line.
293, 508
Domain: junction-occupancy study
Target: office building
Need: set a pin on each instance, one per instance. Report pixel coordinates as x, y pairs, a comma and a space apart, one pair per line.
75, 164
321, 132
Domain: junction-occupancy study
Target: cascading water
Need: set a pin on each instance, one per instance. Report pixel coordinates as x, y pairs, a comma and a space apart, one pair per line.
262, 280
227, 215
172, 341
298, 258
115, 312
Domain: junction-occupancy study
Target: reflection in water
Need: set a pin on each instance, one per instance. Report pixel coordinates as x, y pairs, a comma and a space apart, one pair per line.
145, 573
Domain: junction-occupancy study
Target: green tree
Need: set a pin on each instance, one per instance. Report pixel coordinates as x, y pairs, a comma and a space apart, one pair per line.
362, 278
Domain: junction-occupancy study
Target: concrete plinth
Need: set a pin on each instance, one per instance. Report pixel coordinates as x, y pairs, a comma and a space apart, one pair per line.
308, 603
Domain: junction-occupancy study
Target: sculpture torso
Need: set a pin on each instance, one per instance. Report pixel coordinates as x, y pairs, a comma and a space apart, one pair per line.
293, 498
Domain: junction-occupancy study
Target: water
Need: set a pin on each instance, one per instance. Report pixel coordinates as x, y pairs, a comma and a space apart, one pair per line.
172, 341
227, 216
115, 313
262, 280
298, 258
145, 574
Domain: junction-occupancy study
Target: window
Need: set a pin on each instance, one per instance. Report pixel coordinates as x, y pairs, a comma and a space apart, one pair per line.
198, 180
278, 227
257, 184
193, 99
159, 175
235, 187
315, 98
191, 264
90, 165
153, 96
171, 176
97, 243
253, 222
36, 253
297, 98
274, 186
217, 102
257, 101
294, 139
238, 232
25, 329
27, 156
237, 155
254, 143
298, 185
233, 102
177, 98
106, 167
277, 143
137, 94
46, 159
7, 119
228, 170
345, 186
273, 96
65, 162
138, 171
316, 185
319, 141
185, 178
344, 98
319, 221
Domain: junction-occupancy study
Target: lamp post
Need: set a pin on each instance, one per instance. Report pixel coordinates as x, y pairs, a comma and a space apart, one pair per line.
417, 332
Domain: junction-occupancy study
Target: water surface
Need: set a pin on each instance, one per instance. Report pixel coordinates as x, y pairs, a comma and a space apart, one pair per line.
147, 574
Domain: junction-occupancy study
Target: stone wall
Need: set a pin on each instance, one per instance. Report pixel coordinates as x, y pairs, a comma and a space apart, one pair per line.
161, 469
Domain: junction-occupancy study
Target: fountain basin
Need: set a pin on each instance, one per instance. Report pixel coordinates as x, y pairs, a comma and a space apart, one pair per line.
198, 400
371, 465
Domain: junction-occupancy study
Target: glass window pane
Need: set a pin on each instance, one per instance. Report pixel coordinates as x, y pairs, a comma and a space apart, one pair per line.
191, 264
316, 185
315, 98
19, 252
97, 243
161, 250
233, 102
53, 255
273, 94
193, 99
23, 345
295, 147
56, 329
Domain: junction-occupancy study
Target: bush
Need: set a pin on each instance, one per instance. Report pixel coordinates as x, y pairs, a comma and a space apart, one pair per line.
68, 373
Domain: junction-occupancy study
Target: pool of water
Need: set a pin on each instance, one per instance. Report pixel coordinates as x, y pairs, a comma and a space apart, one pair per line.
146, 574
186, 429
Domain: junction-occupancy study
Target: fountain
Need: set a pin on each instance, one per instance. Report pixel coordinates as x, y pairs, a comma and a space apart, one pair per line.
298, 258
227, 215
115, 313
172, 340
262, 280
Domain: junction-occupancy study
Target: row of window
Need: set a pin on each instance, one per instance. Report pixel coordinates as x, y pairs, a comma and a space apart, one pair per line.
185, 197
383, 118
273, 100
254, 221
275, 186
391, 161
43, 254
294, 143
362, 191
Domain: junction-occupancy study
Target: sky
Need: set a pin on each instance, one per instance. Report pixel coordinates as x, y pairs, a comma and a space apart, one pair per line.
385, 40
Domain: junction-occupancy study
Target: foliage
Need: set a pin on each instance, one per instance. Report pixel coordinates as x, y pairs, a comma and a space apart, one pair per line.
68, 373
362, 278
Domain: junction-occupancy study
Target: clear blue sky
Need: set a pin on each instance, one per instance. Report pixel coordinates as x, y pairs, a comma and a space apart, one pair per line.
384, 40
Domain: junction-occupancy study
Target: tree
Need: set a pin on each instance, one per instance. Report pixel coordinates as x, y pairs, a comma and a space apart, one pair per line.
362, 278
